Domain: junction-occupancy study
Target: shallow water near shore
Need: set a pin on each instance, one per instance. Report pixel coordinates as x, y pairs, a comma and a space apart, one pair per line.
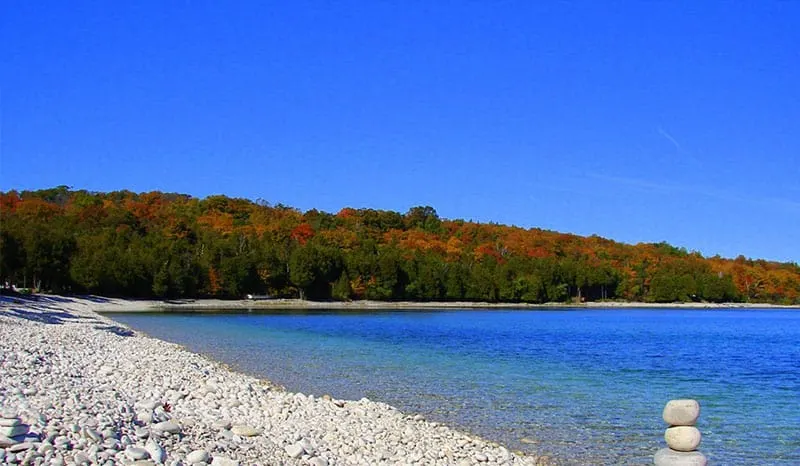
585, 386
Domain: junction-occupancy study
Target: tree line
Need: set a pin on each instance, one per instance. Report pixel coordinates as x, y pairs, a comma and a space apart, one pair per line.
169, 245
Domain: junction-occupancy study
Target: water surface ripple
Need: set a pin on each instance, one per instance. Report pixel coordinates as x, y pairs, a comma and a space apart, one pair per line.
586, 386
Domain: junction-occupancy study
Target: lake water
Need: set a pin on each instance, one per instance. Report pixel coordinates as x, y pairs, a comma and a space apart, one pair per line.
585, 386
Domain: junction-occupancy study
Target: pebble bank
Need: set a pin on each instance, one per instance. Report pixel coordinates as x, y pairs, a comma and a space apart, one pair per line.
77, 388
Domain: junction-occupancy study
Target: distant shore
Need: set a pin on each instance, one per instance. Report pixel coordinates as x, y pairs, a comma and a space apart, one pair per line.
111, 305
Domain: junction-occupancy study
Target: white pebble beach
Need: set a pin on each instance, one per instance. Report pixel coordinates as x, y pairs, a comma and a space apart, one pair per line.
79, 388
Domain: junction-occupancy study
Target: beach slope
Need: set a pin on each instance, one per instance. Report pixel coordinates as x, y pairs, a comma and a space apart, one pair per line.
79, 388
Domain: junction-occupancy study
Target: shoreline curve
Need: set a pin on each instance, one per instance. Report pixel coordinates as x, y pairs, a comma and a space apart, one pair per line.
88, 388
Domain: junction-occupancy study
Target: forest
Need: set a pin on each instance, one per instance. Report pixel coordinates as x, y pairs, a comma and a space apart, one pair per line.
168, 245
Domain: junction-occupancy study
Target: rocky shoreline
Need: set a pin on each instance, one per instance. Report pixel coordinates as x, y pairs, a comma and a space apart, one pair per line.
78, 388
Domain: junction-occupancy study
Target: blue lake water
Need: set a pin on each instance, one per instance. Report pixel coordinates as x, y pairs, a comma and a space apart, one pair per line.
585, 386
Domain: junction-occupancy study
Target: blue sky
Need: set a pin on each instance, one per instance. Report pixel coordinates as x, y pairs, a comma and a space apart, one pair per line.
637, 121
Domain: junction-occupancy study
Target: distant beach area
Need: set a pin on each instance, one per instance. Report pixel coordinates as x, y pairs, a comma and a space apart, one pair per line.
134, 305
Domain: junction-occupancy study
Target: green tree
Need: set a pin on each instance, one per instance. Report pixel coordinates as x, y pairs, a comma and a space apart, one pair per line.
341, 288
424, 218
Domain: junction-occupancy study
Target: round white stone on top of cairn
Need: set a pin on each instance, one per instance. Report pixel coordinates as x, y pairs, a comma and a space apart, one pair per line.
681, 412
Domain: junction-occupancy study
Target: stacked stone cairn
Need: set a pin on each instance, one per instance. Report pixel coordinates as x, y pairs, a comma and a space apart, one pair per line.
15, 439
682, 436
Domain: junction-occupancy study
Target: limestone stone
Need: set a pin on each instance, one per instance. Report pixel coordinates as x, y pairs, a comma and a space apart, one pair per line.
197, 456
20, 447
294, 451
92, 434
222, 424
157, 453
307, 446
167, 426
669, 457
136, 453
45, 447
10, 422
149, 405
683, 438
681, 412
80, 458
222, 461
245, 431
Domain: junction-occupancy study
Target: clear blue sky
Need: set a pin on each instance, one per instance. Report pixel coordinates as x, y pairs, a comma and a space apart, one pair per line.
637, 121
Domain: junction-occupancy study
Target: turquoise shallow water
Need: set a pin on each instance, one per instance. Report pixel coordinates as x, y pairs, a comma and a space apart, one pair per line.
586, 386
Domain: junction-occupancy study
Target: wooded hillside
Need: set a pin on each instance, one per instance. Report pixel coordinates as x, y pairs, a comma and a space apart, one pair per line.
173, 245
